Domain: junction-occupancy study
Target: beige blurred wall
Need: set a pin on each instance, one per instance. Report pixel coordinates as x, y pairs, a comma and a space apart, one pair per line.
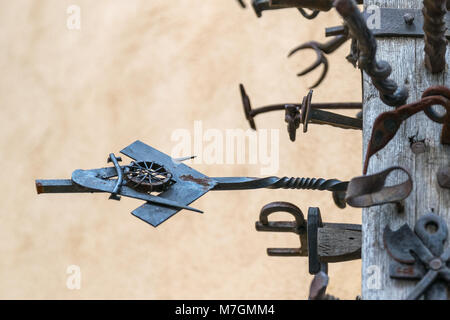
140, 70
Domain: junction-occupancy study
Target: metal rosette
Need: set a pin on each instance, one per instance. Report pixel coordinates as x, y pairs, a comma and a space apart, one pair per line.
148, 176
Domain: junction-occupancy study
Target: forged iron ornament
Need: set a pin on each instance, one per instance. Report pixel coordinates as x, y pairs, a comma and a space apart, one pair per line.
434, 12
305, 113
420, 255
167, 185
371, 190
321, 49
387, 124
322, 243
378, 71
147, 176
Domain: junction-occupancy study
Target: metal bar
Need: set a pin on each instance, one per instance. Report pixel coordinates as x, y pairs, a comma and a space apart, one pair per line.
115, 193
60, 186
335, 120
402, 23
323, 106
337, 105
246, 183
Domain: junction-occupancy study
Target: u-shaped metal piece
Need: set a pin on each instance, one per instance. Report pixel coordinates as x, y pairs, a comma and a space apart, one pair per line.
321, 49
298, 227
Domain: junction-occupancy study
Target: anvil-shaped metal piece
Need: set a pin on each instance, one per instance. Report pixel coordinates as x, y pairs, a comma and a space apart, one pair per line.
167, 185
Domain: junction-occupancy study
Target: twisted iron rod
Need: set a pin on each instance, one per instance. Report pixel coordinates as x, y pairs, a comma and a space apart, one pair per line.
434, 28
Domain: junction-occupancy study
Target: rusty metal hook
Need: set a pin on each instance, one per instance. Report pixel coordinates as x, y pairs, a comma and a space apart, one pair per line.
321, 49
371, 190
387, 124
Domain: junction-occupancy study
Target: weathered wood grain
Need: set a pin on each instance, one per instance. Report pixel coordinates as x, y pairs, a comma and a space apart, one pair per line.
339, 245
406, 57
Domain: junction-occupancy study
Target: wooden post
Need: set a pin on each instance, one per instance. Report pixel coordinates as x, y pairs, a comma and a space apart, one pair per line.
406, 56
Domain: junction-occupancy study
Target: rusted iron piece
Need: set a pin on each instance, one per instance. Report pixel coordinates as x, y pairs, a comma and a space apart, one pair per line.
318, 288
321, 50
378, 71
167, 185
371, 190
387, 124
434, 26
420, 255
444, 119
304, 113
443, 177
322, 242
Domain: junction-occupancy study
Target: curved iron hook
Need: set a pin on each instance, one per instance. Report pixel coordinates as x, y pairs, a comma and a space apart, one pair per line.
321, 49
307, 15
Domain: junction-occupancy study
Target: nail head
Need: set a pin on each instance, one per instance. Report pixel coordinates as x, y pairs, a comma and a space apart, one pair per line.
409, 18
418, 147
